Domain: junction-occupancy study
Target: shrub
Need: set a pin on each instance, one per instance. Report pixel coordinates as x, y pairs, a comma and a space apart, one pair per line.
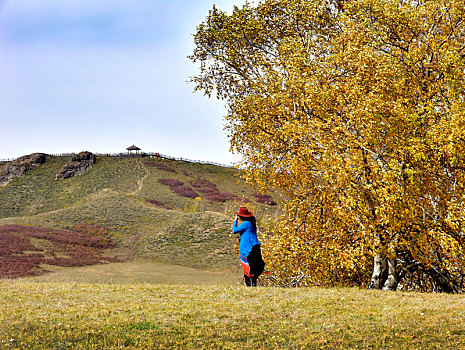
264, 198
198, 183
164, 167
158, 204
170, 182
228, 196
242, 199
179, 188
185, 191
75, 248
215, 197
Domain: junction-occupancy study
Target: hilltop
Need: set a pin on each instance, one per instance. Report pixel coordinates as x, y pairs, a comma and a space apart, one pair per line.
149, 209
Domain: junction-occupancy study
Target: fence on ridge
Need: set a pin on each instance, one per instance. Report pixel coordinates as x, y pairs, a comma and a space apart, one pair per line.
137, 155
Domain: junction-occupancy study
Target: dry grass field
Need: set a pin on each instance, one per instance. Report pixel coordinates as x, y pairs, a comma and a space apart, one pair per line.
39, 315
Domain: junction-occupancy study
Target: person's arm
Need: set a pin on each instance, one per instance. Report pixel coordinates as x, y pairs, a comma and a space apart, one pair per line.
241, 228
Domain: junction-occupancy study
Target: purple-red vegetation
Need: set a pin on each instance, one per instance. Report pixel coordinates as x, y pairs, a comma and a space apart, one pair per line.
158, 204
215, 197
264, 198
242, 199
170, 182
206, 187
203, 183
228, 196
19, 257
179, 188
164, 167
221, 196
211, 192
14, 244
185, 191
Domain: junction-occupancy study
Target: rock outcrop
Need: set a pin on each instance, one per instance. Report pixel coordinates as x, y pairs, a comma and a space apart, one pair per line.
78, 164
20, 166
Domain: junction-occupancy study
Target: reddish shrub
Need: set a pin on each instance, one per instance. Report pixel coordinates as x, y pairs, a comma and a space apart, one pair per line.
228, 196
170, 182
223, 196
185, 191
242, 199
179, 188
203, 183
158, 204
164, 167
264, 198
78, 248
14, 244
215, 197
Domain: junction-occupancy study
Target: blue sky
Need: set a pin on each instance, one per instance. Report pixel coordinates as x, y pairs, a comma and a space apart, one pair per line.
101, 75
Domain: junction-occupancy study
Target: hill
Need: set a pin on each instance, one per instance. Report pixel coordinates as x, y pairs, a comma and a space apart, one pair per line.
151, 209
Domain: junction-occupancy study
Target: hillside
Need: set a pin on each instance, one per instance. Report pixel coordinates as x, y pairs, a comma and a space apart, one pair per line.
169, 212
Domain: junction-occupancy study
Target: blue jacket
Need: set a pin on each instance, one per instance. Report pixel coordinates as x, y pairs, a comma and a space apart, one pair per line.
248, 237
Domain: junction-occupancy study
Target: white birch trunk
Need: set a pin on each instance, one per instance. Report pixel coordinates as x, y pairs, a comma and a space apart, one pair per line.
384, 274
391, 281
379, 272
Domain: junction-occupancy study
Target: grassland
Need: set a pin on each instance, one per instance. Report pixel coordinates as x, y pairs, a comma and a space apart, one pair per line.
179, 286
147, 316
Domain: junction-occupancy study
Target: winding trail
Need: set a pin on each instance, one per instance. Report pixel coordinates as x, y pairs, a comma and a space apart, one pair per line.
140, 182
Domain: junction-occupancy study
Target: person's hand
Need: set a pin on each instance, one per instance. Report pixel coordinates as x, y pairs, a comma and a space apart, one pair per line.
235, 218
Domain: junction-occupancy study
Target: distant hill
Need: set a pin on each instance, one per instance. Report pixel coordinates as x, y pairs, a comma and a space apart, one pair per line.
166, 211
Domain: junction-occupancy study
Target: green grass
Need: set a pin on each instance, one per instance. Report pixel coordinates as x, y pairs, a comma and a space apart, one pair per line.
146, 316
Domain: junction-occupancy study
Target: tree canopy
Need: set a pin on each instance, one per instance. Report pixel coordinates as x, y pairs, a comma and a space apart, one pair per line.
355, 111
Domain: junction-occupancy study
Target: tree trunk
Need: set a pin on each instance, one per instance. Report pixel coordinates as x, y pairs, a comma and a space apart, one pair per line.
384, 274
391, 280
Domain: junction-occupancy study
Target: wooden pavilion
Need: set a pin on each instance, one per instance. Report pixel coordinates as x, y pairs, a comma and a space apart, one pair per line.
133, 148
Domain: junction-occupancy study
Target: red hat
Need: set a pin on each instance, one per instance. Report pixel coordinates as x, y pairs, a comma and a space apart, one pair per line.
244, 212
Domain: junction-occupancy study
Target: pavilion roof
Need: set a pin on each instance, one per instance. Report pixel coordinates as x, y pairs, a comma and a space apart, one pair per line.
133, 148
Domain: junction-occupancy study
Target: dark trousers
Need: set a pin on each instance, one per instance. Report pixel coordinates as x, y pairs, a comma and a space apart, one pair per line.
257, 266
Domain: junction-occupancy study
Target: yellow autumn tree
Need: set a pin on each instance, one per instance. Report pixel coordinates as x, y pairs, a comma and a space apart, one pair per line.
355, 111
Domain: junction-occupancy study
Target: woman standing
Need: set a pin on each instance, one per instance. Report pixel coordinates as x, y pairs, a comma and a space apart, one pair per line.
249, 246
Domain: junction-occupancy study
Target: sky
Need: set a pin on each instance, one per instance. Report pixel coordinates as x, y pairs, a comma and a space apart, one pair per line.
102, 75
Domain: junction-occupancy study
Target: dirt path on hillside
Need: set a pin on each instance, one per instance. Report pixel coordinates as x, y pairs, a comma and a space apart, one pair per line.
140, 182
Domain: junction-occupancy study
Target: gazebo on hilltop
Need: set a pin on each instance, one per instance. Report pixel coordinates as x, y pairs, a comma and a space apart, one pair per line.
133, 148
